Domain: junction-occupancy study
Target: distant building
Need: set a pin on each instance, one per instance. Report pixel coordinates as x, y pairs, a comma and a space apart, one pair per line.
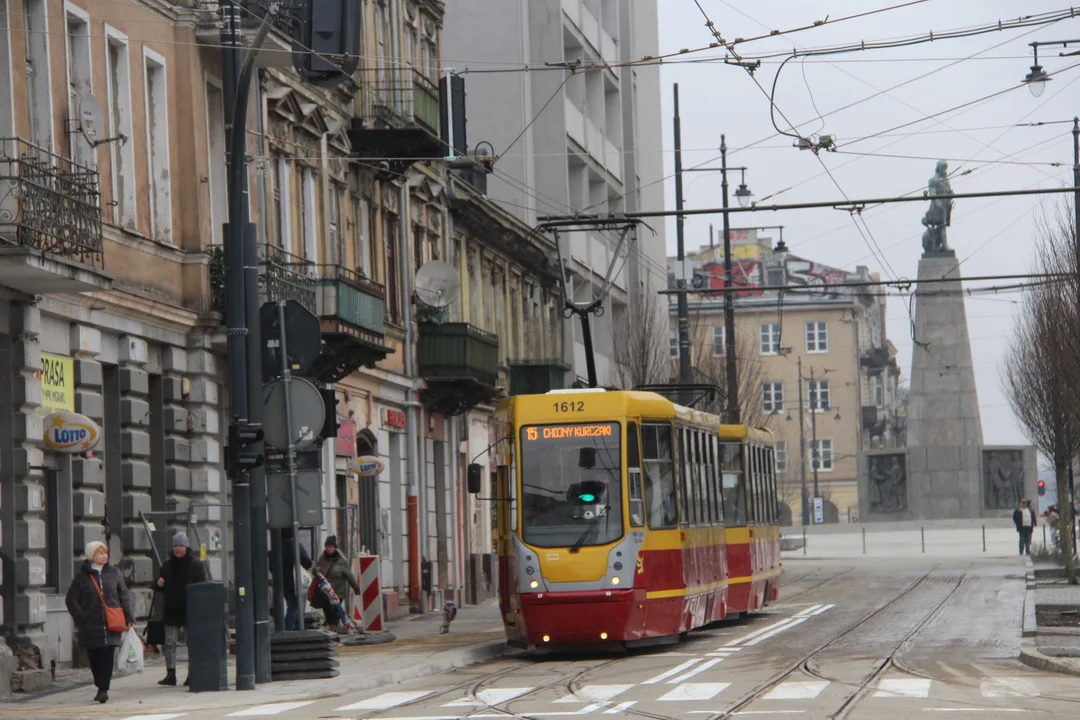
838, 333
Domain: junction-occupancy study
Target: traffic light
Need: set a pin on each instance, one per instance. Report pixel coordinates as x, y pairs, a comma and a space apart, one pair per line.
241, 458
1042, 488
326, 41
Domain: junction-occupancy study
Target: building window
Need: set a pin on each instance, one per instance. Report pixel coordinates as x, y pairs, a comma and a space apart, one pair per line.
821, 453
818, 394
118, 77
215, 131
157, 145
283, 204
770, 338
817, 337
877, 384
673, 344
333, 226
307, 215
38, 83
361, 240
390, 232
78, 75
772, 397
781, 456
718, 341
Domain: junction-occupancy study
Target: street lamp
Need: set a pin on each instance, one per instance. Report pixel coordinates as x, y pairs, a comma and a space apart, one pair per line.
743, 194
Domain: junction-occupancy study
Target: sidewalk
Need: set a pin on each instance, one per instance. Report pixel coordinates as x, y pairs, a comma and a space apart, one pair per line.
475, 635
1051, 626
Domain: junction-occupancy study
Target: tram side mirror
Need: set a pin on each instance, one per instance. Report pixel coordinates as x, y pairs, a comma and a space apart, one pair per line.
475, 477
587, 458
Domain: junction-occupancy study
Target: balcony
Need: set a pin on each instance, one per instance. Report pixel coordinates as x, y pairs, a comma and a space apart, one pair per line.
396, 116
282, 276
535, 377
50, 222
460, 363
276, 49
352, 311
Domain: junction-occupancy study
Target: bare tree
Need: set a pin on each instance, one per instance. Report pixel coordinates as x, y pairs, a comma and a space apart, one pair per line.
709, 362
641, 344
1041, 366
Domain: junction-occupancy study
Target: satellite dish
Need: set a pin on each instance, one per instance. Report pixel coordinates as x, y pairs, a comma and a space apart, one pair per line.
91, 121
437, 284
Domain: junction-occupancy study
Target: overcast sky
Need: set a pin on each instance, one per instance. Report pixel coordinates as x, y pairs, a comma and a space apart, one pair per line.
990, 236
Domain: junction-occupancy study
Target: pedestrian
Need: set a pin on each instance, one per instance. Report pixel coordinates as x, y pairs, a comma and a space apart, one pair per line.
1053, 519
1024, 519
96, 586
288, 560
334, 567
179, 571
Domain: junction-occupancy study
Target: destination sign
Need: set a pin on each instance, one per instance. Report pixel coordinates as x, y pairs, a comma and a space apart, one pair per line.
563, 432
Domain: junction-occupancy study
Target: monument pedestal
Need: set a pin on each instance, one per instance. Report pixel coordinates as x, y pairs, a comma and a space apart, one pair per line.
945, 472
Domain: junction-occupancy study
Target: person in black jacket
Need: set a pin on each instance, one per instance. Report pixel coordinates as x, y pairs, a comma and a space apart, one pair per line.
179, 571
288, 561
87, 610
1025, 519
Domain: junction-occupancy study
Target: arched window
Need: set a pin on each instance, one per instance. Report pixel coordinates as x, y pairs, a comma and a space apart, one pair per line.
366, 443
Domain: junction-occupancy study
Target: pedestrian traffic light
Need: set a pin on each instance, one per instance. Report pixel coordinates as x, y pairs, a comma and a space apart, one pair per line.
241, 458
1042, 488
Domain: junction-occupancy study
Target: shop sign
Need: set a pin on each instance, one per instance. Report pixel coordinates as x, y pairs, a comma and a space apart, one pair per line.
346, 439
394, 419
69, 432
57, 377
367, 465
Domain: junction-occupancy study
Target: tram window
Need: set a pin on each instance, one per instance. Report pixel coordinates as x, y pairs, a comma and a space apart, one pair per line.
713, 442
699, 498
762, 514
659, 461
758, 515
771, 464
633, 476
734, 484
706, 480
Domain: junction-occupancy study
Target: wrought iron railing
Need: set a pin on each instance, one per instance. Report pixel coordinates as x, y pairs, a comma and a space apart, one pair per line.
285, 276
49, 203
387, 100
351, 298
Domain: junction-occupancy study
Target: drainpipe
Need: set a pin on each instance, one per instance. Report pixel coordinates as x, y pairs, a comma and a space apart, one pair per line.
411, 446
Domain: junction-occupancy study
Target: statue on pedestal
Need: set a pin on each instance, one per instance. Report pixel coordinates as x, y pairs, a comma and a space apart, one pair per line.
939, 216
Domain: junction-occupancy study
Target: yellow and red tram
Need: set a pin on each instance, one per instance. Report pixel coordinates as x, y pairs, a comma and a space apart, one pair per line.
623, 517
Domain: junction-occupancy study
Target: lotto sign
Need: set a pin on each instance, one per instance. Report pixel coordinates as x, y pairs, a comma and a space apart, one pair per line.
57, 383
69, 432
367, 465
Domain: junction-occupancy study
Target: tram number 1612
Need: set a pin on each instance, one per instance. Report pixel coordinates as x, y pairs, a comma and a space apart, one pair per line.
569, 407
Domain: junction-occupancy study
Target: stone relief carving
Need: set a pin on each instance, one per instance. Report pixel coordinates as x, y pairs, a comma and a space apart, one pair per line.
1003, 478
888, 483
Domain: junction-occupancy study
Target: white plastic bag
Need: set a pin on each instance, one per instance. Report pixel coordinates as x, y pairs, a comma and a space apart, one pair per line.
129, 657
305, 580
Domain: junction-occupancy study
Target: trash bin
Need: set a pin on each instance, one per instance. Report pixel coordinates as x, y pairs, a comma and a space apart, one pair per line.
207, 633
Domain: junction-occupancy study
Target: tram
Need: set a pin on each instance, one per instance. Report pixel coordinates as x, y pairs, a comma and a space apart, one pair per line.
625, 518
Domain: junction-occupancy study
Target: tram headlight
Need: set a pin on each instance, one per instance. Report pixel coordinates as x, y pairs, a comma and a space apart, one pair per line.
547, 638
534, 584
615, 580
603, 636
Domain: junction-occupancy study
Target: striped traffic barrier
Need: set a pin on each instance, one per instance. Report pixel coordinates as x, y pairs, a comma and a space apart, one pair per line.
370, 594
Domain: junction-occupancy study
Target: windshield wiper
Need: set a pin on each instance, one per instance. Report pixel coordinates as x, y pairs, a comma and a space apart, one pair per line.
576, 547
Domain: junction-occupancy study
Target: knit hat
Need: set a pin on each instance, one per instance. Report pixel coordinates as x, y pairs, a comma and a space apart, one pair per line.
331, 540
93, 546
180, 539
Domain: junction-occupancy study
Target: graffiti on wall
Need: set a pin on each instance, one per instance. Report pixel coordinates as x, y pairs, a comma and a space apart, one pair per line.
751, 275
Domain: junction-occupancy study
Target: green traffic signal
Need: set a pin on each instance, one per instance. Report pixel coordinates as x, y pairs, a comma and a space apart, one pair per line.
587, 497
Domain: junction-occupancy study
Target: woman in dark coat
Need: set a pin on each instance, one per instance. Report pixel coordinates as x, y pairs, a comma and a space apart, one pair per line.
335, 568
85, 605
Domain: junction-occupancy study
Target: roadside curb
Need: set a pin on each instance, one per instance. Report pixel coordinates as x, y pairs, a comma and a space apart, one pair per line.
1035, 659
1030, 623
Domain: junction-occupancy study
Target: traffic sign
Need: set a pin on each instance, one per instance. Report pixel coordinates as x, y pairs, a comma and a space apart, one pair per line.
819, 511
303, 337
307, 413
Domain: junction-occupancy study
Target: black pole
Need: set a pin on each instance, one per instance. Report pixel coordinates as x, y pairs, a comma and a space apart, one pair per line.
586, 340
1069, 519
278, 571
236, 118
815, 453
730, 367
802, 451
683, 306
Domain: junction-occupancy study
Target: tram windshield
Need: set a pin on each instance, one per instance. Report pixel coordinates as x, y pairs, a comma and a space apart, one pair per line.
571, 480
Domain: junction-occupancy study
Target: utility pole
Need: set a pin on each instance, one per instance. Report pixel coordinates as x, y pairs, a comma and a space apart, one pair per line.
683, 303
730, 367
802, 450
1067, 513
815, 405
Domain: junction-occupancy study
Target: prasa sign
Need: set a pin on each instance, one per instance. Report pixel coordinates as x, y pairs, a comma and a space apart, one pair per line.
69, 432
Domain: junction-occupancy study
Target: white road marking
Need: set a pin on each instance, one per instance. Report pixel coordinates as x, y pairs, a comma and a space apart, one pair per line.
689, 692
903, 687
385, 701
270, 709
975, 710
797, 690
621, 707
674, 671
1008, 687
810, 610
814, 611
595, 694
777, 631
699, 669
155, 717
492, 696
744, 712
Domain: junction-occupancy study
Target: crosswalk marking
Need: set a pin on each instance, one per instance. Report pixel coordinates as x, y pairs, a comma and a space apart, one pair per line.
385, 701
155, 717
492, 696
270, 709
1008, 687
694, 692
797, 690
621, 707
903, 687
672, 672
595, 694
699, 669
